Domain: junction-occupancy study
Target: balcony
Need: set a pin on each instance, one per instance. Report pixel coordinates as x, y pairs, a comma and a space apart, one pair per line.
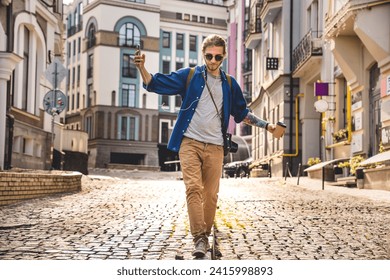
308, 49
270, 9
254, 28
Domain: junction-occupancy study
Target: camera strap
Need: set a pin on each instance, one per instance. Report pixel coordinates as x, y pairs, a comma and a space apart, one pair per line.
212, 98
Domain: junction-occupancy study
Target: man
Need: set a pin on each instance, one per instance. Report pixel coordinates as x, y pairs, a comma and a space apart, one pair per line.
208, 102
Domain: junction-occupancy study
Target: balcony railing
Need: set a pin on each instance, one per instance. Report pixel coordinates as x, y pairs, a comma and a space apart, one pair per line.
309, 46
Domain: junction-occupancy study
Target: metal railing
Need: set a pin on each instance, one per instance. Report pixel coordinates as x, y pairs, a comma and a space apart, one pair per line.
309, 46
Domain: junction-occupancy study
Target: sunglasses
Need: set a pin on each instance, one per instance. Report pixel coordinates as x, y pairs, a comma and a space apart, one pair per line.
209, 57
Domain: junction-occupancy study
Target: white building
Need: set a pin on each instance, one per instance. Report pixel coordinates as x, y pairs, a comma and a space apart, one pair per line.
30, 38
125, 124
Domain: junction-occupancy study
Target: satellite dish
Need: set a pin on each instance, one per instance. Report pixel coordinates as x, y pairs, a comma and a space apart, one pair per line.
321, 105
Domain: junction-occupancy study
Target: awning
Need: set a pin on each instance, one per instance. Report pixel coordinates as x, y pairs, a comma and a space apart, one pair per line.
381, 157
266, 160
325, 163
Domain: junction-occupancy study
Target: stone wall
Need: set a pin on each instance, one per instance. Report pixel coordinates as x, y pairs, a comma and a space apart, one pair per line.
19, 186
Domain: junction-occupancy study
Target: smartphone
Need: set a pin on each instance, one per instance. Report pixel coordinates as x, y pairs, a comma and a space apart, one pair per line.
138, 51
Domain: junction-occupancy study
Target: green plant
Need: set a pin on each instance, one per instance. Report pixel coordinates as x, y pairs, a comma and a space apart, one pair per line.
339, 135
381, 147
354, 162
344, 164
312, 161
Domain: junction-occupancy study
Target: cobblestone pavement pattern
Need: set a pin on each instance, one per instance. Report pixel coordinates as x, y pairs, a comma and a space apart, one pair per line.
142, 215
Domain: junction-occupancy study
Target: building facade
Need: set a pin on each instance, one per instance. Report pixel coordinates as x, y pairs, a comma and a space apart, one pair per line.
30, 36
125, 124
322, 67
270, 36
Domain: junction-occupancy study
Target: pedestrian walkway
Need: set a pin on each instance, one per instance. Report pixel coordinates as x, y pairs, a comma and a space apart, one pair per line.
316, 184
142, 215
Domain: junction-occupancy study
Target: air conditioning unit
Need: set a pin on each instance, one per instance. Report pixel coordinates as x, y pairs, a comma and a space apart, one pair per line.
316, 44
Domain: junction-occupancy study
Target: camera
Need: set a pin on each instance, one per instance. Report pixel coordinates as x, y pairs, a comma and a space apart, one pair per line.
233, 147
229, 145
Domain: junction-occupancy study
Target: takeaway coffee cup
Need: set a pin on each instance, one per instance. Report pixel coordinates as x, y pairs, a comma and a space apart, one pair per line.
279, 130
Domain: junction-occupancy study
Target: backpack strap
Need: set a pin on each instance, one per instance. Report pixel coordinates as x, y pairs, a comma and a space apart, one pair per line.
189, 77
229, 79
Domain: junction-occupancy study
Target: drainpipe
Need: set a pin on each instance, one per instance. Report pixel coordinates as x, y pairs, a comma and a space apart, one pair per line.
9, 118
291, 83
296, 127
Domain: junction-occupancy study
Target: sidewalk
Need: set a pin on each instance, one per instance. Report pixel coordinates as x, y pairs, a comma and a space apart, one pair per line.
316, 184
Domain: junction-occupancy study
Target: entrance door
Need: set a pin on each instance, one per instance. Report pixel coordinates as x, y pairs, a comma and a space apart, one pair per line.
375, 111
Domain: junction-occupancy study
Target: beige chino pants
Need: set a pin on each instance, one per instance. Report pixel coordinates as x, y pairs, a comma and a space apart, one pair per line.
201, 165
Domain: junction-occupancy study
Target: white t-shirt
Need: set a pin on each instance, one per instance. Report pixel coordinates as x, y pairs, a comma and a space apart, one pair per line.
205, 125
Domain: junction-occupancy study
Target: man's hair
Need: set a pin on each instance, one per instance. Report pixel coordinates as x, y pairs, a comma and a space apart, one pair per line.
214, 41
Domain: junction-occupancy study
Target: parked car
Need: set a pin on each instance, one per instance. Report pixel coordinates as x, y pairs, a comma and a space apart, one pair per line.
237, 168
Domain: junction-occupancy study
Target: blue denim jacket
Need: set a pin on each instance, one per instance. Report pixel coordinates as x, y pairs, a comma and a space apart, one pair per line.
175, 83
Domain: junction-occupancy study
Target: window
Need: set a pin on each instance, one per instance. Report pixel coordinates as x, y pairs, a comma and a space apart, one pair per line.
193, 43
89, 95
177, 101
128, 68
26, 56
74, 47
69, 49
124, 128
91, 36
202, 19
79, 45
129, 35
187, 17
78, 75
90, 66
88, 126
180, 41
27, 147
128, 128
164, 132
166, 41
194, 18
73, 76
210, 20
113, 95
165, 100
78, 100
179, 16
166, 67
128, 95
179, 65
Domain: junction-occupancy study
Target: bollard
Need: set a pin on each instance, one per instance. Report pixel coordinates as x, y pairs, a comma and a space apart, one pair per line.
360, 178
299, 173
285, 176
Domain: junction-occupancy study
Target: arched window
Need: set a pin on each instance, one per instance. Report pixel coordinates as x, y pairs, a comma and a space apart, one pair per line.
91, 36
129, 35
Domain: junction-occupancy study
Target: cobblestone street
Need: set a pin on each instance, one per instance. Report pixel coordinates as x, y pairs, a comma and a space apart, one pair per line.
142, 215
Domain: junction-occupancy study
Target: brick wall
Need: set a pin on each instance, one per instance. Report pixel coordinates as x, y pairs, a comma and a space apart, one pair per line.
19, 186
